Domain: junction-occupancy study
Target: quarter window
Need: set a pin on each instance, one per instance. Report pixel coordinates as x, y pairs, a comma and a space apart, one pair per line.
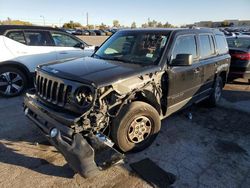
16, 36
221, 44
185, 45
63, 40
206, 46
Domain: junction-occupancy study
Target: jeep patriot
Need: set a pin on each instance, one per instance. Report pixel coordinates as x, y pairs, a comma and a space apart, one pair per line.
119, 96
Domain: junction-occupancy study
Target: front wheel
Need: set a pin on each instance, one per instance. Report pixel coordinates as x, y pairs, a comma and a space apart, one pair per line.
215, 96
12, 82
136, 126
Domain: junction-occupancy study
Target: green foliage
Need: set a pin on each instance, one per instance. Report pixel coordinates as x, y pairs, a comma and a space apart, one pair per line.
133, 25
157, 24
14, 22
71, 25
103, 26
116, 23
225, 24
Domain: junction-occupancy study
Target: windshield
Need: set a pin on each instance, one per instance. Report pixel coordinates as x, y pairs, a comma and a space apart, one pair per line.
239, 42
134, 47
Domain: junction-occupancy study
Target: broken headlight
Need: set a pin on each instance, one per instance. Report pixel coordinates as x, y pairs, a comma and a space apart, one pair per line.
84, 96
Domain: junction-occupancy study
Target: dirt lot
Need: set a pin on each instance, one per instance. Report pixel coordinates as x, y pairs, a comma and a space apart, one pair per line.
211, 150
93, 40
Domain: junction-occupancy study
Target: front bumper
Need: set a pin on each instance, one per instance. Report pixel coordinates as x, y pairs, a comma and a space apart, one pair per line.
87, 156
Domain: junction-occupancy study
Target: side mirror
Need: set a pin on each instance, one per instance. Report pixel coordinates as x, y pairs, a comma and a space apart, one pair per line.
182, 60
96, 48
80, 45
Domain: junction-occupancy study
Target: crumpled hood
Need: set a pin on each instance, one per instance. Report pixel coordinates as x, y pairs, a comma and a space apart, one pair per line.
97, 71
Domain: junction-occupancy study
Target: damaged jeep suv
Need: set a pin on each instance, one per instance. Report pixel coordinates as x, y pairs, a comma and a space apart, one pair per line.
93, 107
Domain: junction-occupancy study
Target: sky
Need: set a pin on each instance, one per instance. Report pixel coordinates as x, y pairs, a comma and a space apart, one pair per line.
176, 12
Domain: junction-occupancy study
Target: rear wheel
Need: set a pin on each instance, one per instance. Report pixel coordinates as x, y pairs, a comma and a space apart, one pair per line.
136, 126
12, 82
215, 96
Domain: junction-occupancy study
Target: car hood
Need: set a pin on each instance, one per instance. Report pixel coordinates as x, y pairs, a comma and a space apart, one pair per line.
95, 71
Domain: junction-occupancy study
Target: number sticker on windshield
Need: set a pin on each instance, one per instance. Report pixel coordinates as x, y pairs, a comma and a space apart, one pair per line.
149, 55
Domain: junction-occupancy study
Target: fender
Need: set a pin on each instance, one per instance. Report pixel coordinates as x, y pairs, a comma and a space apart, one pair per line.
20, 66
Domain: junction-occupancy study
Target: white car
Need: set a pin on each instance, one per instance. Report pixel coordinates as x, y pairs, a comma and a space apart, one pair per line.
23, 48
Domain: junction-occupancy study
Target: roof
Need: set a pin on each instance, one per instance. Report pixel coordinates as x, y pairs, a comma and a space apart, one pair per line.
197, 30
4, 28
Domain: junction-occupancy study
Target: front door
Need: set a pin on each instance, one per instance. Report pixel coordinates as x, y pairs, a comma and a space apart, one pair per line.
185, 81
68, 47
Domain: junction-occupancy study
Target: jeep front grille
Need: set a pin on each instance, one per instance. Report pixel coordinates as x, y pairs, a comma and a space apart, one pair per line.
54, 92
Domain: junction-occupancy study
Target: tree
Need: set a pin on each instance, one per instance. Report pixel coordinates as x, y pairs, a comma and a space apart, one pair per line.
71, 25
103, 26
225, 24
168, 25
144, 25
14, 22
133, 25
159, 24
152, 23
116, 23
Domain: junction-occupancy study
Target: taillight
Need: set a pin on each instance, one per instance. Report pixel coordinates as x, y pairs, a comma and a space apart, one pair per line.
241, 56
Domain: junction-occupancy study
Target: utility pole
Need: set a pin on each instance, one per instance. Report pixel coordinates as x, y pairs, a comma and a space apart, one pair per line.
43, 20
87, 17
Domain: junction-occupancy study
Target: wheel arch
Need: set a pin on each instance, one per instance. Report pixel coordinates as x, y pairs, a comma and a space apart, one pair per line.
223, 75
19, 66
148, 97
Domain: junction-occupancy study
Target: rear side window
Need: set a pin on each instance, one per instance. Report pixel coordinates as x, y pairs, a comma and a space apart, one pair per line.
16, 36
37, 38
185, 45
221, 44
238, 42
206, 46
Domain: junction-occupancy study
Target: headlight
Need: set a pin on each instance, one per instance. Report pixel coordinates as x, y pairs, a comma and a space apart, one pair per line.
84, 96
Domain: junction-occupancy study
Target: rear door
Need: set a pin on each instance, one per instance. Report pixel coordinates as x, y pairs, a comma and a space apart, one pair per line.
208, 60
185, 81
68, 46
30, 47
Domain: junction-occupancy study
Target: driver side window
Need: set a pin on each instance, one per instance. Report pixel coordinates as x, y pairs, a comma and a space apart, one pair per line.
63, 40
185, 44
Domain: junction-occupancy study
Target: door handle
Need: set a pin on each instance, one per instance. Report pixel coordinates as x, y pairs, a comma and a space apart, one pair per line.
197, 70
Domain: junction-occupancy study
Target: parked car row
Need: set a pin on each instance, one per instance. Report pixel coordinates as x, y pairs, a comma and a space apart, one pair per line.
235, 31
91, 32
239, 49
23, 48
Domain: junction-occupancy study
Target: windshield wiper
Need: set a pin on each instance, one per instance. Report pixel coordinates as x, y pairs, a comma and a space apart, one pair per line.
125, 60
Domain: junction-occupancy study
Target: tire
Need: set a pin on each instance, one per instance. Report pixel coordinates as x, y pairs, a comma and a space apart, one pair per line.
12, 82
134, 119
215, 96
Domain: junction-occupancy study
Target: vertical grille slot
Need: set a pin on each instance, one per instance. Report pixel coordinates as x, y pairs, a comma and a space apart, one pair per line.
52, 91
60, 95
49, 90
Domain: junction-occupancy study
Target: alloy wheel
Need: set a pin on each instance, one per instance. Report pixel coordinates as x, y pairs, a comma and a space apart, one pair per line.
11, 83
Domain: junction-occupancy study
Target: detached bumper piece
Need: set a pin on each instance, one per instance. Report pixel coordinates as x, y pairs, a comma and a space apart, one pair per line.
85, 155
